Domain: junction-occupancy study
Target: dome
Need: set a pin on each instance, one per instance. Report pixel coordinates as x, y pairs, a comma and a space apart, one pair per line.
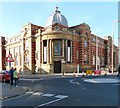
56, 17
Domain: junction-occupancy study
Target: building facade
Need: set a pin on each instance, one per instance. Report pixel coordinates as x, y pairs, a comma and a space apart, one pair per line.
57, 48
2, 53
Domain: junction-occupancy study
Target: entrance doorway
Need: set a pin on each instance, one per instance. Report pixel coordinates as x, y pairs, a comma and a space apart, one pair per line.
57, 66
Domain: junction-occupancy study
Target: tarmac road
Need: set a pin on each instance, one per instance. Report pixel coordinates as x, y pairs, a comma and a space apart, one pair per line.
66, 91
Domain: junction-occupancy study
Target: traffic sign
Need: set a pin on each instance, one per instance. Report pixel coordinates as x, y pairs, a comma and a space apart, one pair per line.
9, 58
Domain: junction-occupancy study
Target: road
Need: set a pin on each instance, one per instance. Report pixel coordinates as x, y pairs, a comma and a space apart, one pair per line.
68, 91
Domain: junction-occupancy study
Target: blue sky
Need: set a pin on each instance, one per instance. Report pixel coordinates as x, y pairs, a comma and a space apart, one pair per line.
98, 15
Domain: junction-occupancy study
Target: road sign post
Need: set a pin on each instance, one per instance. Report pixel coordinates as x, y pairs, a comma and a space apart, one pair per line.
9, 59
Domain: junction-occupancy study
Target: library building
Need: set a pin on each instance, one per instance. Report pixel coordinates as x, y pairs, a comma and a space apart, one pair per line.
57, 48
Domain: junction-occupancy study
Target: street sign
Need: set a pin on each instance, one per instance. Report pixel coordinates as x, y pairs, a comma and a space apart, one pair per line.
9, 58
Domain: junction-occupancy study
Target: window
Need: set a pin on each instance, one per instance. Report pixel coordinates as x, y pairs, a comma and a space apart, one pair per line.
36, 55
26, 44
77, 55
102, 60
27, 57
27, 60
86, 35
57, 48
68, 50
85, 59
85, 42
94, 39
93, 60
16, 59
45, 51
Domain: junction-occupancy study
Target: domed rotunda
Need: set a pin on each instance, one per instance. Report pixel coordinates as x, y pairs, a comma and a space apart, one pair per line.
56, 17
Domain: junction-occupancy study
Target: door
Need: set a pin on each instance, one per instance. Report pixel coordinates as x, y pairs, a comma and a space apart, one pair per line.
57, 66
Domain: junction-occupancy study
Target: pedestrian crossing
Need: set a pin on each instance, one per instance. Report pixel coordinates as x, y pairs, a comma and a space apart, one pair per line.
46, 94
54, 97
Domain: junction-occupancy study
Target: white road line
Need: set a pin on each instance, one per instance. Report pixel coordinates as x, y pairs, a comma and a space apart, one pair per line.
60, 97
47, 103
37, 93
102, 80
74, 82
29, 79
48, 95
29, 92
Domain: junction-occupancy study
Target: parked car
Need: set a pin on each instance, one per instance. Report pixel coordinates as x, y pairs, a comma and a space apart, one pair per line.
97, 72
4, 76
104, 71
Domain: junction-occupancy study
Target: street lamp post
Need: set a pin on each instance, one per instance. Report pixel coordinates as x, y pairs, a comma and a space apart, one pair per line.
113, 30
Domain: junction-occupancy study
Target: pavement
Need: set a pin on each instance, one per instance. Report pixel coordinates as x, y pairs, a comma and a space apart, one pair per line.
41, 76
8, 91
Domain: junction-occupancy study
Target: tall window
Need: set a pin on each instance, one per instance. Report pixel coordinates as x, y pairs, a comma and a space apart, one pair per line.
27, 60
26, 44
68, 51
57, 48
27, 57
16, 59
103, 61
85, 42
36, 55
85, 58
45, 51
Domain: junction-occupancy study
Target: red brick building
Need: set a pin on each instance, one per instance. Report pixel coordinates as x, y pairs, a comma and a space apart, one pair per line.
2, 53
58, 48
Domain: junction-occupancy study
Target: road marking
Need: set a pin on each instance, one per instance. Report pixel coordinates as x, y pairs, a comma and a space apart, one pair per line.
47, 103
60, 97
29, 92
48, 95
74, 82
24, 79
37, 93
102, 80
